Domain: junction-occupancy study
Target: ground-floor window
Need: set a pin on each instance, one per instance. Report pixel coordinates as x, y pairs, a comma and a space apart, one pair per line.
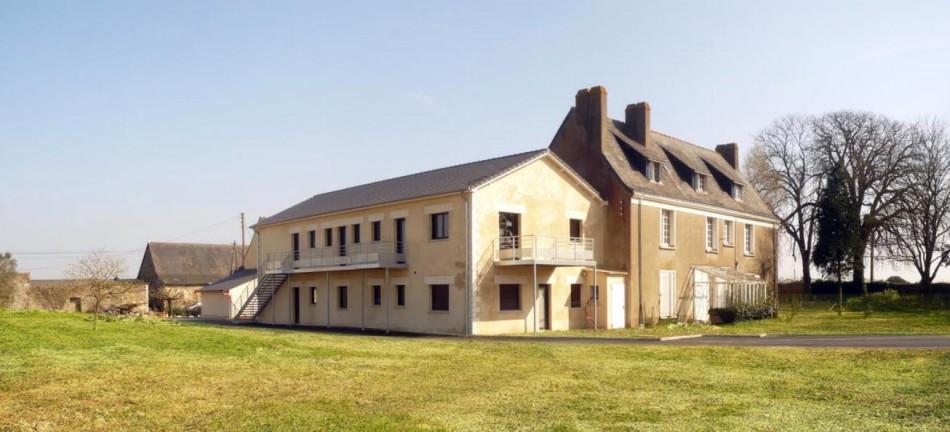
377, 295
509, 296
440, 297
313, 295
575, 295
400, 295
341, 297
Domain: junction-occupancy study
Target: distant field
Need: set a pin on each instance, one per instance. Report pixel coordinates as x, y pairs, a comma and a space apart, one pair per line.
813, 319
57, 374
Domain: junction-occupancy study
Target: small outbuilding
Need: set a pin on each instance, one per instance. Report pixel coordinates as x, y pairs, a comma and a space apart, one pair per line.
223, 298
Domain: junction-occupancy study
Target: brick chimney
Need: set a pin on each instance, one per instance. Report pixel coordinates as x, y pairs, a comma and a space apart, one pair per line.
637, 118
729, 152
591, 106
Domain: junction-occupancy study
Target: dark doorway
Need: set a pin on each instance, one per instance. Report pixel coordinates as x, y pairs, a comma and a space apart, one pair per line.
544, 302
77, 303
296, 301
509, 230
341, 239
400, 235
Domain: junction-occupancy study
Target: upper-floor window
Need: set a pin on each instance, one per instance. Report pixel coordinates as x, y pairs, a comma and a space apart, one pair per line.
313, 239
377, 231
440, 226
577, 231
727, 232
653, 171
666, 228
700, 182
737, 192
747, 239
328, 237
711, 243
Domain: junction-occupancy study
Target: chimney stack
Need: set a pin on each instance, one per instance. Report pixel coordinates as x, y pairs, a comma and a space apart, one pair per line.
637, 118
729, 152
591, 111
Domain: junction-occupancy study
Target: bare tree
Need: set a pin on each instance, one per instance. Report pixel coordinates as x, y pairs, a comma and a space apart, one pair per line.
780, 168
164, 296
879, 155
98, 275
921, 237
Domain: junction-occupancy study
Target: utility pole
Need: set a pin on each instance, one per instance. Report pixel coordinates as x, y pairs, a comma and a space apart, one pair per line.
243, 250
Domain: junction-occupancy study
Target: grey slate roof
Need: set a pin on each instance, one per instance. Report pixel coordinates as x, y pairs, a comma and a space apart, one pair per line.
429, 183
188, 263
239, 277
666, 149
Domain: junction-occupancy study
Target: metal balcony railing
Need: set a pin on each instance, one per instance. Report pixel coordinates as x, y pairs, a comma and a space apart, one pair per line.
535, 248
365, 255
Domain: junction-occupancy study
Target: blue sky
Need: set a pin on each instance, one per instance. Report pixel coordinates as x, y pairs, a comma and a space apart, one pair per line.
128, 122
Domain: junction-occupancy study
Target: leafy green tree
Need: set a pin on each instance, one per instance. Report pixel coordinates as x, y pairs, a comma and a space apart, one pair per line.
839, 225
7, 279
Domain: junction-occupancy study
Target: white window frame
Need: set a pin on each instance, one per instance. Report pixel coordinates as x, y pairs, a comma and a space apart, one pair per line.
728, 232
748, 237
700, 183
653, 171
667, 229
711, 237
737, 192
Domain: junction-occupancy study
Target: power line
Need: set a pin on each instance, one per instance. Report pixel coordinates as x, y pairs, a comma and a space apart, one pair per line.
231, 218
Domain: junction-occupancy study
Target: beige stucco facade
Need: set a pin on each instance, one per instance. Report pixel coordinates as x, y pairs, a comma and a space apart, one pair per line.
546, 195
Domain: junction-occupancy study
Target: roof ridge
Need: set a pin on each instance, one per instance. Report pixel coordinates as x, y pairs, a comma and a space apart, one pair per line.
681, 140
428, 171
189, 244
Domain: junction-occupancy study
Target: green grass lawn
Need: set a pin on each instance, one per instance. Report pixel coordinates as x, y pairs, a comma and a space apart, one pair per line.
812, 319
57, 374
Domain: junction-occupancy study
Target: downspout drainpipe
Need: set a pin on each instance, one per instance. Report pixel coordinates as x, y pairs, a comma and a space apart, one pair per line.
535, 272
596, 296
642, 319
328, 299
363, 300
388, 296
468, 266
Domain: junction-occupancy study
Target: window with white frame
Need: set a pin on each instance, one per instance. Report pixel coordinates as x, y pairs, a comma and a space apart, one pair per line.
727, 232
747, 239
700, 182
653, 171
666, 228
711, 243
737, 192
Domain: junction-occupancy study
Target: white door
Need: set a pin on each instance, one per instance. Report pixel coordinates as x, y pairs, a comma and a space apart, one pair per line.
667, 294
700, 296
618, 306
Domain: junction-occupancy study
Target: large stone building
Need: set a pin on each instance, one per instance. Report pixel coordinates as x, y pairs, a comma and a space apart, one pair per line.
613, 226
182, 268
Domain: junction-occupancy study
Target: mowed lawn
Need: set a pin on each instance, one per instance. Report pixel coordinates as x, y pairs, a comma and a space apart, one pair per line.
57, 374
810, 320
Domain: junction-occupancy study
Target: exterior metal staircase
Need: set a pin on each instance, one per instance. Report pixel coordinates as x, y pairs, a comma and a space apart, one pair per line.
261, 296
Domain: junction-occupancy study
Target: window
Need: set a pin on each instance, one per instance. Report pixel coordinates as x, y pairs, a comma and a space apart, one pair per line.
377, 231
328, 237
440, 297
737, 192
440, 226
400, 295
575, 295
509, 297
341, 239
653, 171
595, 292
711, 243
400, 234
295, 239
699, 182
666, 228
313, 295
356, 234
377, 295
341, 297
313, 239
576, 229
747, 239
727, 232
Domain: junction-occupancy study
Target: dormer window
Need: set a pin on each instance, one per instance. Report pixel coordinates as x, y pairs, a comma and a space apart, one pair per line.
653, 171
737, 192
700, 182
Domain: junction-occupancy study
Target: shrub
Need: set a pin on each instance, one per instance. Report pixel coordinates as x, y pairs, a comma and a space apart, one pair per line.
878, 301
756, 311
177, 311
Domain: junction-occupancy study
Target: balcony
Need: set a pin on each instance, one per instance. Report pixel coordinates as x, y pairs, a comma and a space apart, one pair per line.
543, 250
349, 257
